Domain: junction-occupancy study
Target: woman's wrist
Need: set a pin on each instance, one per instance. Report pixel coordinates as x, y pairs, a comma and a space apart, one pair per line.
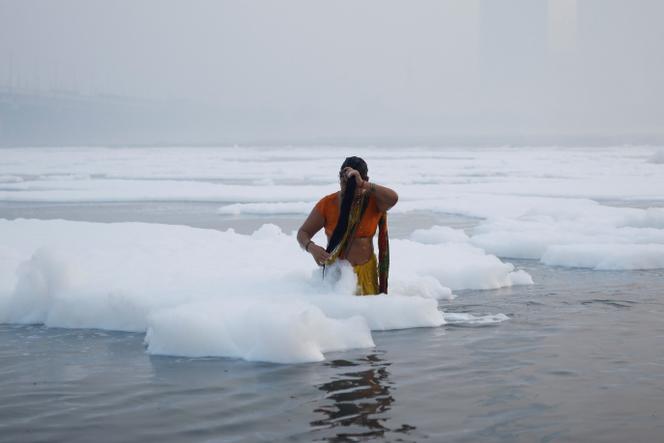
306, 247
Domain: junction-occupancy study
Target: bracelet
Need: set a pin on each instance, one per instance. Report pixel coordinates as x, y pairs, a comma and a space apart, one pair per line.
306, 247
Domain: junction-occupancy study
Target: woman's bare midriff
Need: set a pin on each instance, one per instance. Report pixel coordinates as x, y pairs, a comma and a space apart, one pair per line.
361, 251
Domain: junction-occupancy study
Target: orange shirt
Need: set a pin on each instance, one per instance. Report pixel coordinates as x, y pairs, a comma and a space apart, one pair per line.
328, 207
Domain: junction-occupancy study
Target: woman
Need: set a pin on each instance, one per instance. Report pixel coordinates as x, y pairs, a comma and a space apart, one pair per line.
350, 218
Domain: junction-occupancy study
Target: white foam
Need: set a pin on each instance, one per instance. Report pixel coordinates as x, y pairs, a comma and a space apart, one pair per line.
202, 292
277, 331
10, 179
439, 234
455, 265
267, 208
593, 236
534, 203
606, 256
474, 320
475, 181
657, 157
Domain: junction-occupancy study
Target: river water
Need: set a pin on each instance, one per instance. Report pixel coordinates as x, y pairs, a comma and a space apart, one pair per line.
580, 359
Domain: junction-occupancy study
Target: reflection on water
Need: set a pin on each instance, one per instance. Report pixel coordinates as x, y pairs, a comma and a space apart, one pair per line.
359, 400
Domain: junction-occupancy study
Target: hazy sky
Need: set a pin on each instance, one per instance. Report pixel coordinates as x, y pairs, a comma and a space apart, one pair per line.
358, 67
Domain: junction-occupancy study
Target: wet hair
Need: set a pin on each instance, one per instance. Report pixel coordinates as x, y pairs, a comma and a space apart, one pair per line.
347, 199
358, 164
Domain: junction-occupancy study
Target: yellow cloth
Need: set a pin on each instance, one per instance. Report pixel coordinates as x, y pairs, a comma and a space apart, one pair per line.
367, 277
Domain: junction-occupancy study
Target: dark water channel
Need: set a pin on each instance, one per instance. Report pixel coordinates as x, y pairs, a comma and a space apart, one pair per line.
581, 359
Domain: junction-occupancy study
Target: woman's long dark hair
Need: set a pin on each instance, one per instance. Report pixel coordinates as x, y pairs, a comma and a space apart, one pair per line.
344, 212
347, 199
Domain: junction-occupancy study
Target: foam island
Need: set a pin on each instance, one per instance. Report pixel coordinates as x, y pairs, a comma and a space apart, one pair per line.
199, 292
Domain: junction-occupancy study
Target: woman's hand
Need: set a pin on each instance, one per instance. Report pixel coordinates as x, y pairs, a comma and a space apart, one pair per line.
319, 254
349, 172
385, 197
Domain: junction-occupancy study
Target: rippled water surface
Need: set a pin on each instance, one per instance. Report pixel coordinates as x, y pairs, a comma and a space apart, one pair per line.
581, 359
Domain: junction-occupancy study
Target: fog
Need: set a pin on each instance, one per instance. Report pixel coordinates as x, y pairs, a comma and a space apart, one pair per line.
154, 71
